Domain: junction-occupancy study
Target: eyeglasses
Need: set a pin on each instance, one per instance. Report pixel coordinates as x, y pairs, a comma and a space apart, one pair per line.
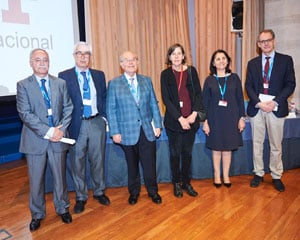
127, 60
82, 54
265, 41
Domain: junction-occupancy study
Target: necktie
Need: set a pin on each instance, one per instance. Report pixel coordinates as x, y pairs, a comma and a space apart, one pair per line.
133, 89
47, 102
265, 77
87, 108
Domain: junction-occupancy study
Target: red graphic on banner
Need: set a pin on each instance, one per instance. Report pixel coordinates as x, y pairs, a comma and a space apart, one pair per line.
14, 13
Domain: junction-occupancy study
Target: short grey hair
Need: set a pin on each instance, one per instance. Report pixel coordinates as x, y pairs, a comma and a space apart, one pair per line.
35, 50
81, 43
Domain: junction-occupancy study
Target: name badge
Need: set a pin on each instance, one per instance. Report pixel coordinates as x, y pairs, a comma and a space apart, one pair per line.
266, 85
87, 102
223, 103
181, 104
49, 112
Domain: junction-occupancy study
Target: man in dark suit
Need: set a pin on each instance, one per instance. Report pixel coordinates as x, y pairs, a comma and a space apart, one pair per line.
270, 81
87, 89
46, 114
131, 107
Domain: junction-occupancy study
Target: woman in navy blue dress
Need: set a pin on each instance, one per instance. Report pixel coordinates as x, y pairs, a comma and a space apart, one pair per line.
224, 103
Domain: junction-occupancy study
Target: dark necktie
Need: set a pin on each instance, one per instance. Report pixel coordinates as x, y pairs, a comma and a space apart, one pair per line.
87, 108
266, 72
47, 102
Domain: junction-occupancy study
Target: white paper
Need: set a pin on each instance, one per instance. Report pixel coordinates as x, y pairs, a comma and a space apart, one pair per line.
65, 140
265, 98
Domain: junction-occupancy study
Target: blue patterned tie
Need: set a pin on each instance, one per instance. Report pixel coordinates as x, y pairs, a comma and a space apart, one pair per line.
133, 90
87, 109
47, 102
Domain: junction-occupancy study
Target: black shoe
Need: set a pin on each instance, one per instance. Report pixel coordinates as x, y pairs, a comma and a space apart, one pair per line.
217, 185
156, 198
133, 199
66, 217
103, 199
177, 190
256, 181
79, 206
278, 184
35, 224
228, 185
189, 189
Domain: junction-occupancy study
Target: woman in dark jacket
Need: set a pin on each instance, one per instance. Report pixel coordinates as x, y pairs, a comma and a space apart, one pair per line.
182, 96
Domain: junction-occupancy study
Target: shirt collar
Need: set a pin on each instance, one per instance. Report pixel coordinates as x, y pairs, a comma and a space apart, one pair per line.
39, 78
128, 77
271, 56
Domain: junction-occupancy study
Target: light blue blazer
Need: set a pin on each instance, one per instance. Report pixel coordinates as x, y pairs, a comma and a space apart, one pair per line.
125, 117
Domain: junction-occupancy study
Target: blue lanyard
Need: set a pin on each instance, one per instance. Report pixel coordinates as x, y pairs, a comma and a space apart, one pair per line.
222, 90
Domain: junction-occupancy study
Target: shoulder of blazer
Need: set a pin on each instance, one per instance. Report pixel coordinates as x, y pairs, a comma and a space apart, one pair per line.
96, 72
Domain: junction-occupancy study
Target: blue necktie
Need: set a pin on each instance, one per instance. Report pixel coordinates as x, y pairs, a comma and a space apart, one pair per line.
47, 102
133, 89
87, 109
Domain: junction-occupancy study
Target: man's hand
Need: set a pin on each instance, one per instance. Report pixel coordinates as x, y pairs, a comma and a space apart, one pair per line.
117, 138
57, 134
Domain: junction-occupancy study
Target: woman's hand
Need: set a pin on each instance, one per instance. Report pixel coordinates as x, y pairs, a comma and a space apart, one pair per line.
206, 128
242, 124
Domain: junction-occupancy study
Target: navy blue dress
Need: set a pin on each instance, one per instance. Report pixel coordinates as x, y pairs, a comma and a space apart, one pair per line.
223, 121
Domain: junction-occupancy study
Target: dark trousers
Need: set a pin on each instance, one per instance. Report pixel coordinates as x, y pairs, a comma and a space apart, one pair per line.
181, 146
143, 151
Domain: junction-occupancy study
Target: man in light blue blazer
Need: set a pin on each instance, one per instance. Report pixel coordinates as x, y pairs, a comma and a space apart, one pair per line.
46, 114
131, 107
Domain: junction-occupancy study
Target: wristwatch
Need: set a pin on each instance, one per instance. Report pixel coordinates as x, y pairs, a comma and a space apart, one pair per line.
243, 118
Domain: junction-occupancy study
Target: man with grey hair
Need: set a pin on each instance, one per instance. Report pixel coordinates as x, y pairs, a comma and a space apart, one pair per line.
87, 89
45, 109
131, 107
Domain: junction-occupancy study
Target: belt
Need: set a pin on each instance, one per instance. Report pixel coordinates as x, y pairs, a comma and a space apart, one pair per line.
90, 118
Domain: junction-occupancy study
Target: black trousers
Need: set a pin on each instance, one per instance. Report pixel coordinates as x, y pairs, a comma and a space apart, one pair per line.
144, 152
181, 146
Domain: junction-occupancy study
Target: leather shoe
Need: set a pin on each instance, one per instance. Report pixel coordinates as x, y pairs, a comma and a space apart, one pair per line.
217, 185
66, 217
133, 199
189, 189
79, 206
156, 198
228, 185
177, 190
103, 199
35, 224
256, 181
278, 184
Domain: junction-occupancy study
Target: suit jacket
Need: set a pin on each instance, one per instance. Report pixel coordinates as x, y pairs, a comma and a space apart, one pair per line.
33, 113
170, 97
74, 91
282, 83
125, 117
